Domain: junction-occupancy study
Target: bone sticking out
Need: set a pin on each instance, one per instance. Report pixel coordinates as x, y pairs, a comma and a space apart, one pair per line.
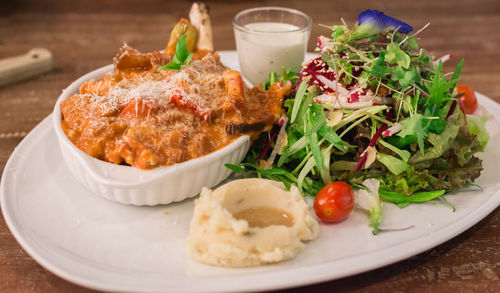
199, 17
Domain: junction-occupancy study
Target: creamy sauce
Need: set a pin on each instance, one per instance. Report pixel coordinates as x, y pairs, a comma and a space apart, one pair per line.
269, 47
265, 216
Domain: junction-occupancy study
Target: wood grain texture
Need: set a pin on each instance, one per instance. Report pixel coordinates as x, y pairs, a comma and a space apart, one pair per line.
84, 35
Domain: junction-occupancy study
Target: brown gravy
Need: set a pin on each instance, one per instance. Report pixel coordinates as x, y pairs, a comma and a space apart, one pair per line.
265, 216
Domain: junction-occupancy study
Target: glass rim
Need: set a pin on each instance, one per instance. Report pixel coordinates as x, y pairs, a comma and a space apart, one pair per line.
277, 8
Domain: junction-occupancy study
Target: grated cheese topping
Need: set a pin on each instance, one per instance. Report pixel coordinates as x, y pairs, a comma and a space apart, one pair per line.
176, 88
146, 118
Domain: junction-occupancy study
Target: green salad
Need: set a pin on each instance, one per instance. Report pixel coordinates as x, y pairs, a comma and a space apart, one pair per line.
372, 106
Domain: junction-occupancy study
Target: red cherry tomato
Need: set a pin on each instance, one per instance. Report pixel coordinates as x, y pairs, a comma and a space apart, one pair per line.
468, 101
334, 202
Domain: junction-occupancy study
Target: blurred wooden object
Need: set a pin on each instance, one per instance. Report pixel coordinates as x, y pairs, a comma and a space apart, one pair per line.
26, 66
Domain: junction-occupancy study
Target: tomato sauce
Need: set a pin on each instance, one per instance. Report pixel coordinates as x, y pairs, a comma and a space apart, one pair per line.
146, 118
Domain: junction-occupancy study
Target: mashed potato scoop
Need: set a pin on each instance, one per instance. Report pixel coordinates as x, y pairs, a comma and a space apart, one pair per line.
250, 222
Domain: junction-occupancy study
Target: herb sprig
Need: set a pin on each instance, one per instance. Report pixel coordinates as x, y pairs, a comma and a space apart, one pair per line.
181, 56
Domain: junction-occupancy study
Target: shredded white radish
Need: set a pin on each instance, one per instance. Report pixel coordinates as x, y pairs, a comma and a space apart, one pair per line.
443, 59
342, 98
334, 117
339, 102
325, 44
371, 155
281, 141
393, 129
339, 88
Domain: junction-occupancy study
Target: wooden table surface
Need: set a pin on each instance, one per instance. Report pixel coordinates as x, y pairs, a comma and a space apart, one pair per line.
84, 35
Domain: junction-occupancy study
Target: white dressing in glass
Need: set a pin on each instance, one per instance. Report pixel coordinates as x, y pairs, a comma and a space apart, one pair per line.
264, 47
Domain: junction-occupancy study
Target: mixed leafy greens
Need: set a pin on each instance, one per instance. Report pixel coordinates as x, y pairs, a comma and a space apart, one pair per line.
373, 106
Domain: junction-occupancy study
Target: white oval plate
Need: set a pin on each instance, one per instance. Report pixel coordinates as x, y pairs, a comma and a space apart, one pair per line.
96, 243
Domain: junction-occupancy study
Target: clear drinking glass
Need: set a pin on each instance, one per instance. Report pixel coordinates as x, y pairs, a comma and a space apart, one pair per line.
268, 38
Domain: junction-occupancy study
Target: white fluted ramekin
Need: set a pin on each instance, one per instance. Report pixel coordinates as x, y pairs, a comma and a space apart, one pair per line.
129, 185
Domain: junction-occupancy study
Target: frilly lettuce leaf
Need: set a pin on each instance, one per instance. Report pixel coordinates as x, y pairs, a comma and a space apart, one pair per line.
476, 126
440, 142
395, 165
447, 163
